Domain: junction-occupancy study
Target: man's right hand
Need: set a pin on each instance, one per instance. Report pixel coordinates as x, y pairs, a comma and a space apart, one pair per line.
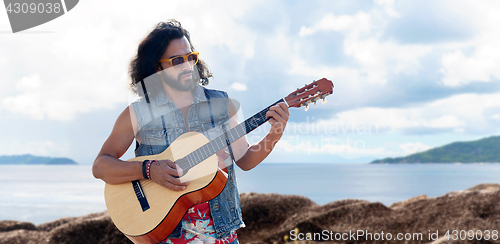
166, 173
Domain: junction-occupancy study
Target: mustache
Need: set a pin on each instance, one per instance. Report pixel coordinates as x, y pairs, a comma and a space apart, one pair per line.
185, 73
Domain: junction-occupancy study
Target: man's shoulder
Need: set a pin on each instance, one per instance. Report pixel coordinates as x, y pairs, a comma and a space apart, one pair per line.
215, 93
141, 105
139, 102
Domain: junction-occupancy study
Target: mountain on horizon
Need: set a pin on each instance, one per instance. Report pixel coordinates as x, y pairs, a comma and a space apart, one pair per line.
486, 150
28, 159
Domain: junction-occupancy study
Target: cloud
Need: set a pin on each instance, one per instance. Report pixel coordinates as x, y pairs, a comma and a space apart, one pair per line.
358, 23
388, 7
68, 73
27, 103
464, 113
58, 100
482, 66
376, 60
239, 87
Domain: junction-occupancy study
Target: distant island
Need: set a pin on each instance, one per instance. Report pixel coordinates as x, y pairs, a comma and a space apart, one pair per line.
28, 159
486, 150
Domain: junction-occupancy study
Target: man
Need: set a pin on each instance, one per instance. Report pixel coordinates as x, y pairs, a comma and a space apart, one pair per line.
168, 75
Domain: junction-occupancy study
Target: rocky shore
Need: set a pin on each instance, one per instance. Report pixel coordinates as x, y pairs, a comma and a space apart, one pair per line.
273, 218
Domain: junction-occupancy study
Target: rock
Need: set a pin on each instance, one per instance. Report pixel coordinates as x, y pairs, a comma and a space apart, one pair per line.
410, 200
267, 212
56, 223
9, 225
90, 229
274, 218
94, 228
477, 208
23, 237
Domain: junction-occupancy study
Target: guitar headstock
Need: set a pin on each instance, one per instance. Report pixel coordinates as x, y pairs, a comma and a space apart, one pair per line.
311, 93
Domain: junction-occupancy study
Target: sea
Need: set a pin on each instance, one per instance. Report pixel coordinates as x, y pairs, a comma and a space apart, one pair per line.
43, 193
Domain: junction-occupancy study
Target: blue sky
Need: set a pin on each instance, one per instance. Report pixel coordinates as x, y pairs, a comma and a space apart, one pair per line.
408, 75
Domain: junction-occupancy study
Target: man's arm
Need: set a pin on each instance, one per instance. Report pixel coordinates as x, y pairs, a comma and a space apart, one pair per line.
109, 168
251, 156
107, 165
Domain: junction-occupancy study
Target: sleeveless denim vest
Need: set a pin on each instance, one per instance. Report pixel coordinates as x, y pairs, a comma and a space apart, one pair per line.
161, 122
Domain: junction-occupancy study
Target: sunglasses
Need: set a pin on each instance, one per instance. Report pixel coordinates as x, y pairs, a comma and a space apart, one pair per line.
192, 58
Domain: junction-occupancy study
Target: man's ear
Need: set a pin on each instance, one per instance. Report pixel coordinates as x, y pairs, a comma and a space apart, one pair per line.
158, 67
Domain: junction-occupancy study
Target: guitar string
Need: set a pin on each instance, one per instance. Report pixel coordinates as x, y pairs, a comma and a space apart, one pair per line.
200, 156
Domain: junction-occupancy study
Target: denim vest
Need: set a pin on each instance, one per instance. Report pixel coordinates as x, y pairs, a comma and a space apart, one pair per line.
161, 122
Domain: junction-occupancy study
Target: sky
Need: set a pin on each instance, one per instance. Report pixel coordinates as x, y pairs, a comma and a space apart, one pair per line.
408, 75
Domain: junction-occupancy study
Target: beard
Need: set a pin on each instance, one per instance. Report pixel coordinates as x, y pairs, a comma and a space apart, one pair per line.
182, 85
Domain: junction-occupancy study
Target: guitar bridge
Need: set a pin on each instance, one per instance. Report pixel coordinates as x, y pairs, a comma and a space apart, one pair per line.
139, 193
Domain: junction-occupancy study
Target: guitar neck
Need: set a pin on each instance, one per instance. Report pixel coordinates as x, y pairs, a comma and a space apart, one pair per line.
228, 137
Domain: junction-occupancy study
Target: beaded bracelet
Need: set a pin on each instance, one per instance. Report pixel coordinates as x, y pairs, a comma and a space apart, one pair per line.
144, 173
148, 169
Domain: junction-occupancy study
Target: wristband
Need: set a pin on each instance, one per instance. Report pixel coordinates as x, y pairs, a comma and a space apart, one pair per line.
144, 173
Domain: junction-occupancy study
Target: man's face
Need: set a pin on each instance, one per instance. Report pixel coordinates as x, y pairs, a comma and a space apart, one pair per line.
180, 77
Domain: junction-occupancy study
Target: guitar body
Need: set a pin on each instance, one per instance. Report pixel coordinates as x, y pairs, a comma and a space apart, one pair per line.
167, 207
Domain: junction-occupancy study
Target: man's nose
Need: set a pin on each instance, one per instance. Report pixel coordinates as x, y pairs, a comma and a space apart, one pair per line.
187, 65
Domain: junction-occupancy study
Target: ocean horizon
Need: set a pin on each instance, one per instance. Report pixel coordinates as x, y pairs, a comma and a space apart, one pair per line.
43, 193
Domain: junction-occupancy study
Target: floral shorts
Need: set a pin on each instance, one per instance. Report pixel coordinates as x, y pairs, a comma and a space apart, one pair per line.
198, 227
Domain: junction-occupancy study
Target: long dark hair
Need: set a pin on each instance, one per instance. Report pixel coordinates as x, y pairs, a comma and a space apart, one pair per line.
145, 63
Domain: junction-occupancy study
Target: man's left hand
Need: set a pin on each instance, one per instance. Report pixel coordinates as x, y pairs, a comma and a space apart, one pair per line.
279, 117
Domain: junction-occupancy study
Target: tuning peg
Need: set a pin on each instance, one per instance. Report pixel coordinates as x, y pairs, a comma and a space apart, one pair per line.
314, 101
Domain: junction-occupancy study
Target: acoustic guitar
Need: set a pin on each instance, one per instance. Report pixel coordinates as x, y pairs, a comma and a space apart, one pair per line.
147, 212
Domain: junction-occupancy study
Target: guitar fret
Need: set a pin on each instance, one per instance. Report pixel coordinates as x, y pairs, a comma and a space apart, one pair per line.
183, 163
193, 160
200, 155
237, 131
202, 150
212, 150
218, 142
206, 151
188, 160
197, 155
233, 137
209, 152
230, 137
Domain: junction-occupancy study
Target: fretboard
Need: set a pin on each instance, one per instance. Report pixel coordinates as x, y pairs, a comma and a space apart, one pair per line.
209, 149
